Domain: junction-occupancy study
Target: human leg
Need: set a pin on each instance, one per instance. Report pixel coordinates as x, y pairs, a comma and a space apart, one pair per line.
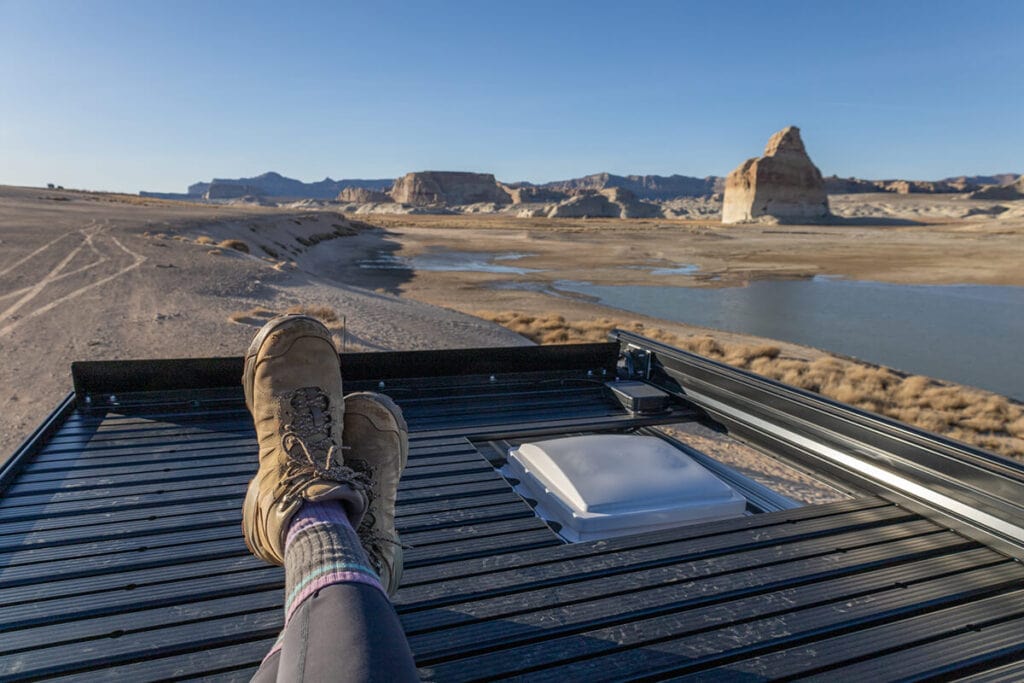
305, 503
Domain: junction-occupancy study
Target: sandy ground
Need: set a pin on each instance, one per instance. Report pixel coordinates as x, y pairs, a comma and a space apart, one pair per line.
91, 277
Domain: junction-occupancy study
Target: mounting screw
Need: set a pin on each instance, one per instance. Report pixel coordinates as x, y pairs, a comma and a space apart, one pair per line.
112, 400
590, 373
380, 384
493, 379
88, 400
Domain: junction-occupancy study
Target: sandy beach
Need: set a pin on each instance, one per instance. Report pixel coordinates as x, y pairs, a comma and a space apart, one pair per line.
96, 276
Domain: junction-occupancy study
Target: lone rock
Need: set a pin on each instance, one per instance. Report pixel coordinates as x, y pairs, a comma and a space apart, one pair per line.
784, 183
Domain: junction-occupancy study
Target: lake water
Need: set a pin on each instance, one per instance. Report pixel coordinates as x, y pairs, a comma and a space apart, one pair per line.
468, 261
968, 334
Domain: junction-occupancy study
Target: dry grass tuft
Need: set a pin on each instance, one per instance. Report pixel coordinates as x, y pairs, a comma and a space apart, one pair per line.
237, 245
976, 417
254, 316
205, 239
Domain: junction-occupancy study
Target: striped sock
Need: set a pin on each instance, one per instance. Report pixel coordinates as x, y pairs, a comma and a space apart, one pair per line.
322, 549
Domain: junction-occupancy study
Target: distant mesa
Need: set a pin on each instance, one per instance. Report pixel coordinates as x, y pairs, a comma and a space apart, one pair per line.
783, 184
271, 185
220, 189
448, 188
643, 186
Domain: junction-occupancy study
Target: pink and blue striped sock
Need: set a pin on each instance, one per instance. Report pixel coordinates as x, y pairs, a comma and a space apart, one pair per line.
321, 549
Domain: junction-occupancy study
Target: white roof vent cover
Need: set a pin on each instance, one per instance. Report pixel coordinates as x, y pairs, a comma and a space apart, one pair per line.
604, 485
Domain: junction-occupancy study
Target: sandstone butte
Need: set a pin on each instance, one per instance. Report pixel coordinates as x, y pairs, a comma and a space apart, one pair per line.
448, 188
783, 184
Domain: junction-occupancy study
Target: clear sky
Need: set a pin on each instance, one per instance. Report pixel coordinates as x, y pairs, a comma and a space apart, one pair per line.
147, 94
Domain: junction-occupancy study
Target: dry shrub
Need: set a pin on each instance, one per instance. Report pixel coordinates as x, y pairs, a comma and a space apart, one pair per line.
237, 245
215, 252
205, 239
256, 316
993, 422
259, 315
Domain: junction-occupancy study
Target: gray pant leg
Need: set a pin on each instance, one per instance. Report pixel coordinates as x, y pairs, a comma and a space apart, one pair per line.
344, 632
267, 673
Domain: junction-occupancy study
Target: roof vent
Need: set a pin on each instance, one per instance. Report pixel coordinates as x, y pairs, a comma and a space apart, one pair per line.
605, 485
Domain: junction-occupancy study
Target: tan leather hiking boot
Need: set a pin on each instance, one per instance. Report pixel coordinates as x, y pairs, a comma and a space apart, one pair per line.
292, 384
378, 441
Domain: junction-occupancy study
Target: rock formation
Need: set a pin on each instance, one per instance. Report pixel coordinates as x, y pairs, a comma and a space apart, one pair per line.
1012, 190
630, 206
784, 184
224, 190
586, 205
363, 195
837, 185
643, 186
273, 184
449, 188
532, 194
613, 202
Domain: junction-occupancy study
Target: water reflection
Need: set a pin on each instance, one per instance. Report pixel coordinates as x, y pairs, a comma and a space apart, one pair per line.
964, 333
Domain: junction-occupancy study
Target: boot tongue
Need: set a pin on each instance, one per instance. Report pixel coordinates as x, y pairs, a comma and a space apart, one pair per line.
309, 429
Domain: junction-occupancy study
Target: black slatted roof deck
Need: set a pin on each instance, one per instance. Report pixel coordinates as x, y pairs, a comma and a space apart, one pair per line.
121, 555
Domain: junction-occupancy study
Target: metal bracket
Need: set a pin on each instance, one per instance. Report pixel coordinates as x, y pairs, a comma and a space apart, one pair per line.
638, 362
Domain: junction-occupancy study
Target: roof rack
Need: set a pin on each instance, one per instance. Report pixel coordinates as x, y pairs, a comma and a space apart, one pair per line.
120, 554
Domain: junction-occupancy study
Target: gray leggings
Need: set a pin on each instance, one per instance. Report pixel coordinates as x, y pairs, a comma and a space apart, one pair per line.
344, 632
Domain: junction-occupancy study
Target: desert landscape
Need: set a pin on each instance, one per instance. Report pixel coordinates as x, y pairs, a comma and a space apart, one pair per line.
105, 276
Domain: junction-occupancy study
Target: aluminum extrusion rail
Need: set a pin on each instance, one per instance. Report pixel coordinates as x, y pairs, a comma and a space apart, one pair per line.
975, 491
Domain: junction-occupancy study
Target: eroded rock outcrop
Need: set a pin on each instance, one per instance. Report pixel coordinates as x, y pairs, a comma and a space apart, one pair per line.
363, 195
532, 194
449, 188
586, 205
1011, 191
614, 202
783, 184
630, 206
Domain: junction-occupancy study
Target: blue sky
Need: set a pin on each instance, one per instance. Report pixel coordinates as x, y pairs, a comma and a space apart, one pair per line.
156, 95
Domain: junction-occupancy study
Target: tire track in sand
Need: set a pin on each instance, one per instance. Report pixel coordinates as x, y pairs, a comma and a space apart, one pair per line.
55, 275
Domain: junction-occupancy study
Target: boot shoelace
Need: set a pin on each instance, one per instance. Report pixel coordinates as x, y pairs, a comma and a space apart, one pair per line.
373, 540
306, 438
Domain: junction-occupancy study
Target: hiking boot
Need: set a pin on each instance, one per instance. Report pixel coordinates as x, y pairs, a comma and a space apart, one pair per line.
292, 383
378, 441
